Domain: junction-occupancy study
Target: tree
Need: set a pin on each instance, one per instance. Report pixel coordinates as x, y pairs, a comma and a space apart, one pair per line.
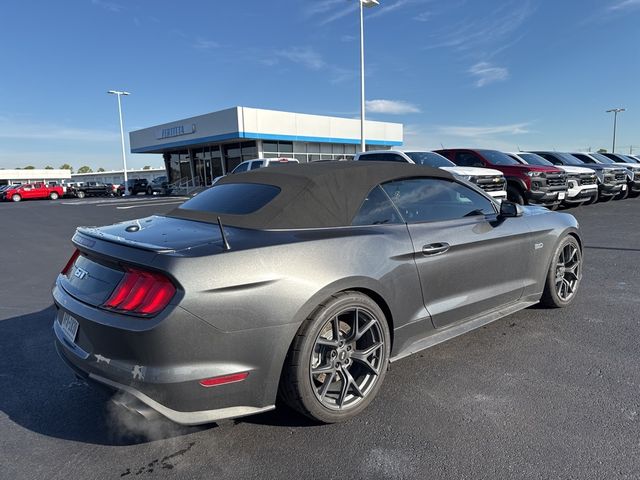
101, 169
48, 167
147, 167
29, 167
85, 169
66, 166
602, 150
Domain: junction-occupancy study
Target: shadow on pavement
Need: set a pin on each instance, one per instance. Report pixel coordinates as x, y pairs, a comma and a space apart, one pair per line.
41, 394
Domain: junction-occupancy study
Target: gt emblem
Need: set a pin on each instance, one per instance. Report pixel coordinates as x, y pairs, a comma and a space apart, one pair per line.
80, 273
538, 246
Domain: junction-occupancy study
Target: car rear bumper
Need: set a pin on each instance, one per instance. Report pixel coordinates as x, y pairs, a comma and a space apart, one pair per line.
162, 365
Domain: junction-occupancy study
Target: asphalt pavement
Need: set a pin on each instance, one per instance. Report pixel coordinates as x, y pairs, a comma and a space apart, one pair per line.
537, 395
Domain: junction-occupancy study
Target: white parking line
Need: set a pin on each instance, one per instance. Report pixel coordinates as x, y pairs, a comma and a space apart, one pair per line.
145, 205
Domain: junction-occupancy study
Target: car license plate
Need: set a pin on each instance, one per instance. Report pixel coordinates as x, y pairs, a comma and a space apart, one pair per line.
69, 326
561, 196
624, 187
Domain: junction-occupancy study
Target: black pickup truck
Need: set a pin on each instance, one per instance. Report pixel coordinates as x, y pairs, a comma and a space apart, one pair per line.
94, 189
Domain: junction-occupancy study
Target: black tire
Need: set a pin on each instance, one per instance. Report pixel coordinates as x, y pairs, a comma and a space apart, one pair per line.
554, 207
623, 195
634, 194
606, 199
564, 275
16, 197
80, 194
355, 374
149, 191
54, 196
592, 200
515, 195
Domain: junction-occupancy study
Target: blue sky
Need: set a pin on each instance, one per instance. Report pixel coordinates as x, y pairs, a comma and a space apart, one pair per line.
488, 73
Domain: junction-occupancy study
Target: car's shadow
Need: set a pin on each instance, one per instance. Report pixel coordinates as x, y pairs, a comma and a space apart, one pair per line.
41, 394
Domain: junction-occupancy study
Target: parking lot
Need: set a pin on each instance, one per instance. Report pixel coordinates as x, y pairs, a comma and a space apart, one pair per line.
539, 394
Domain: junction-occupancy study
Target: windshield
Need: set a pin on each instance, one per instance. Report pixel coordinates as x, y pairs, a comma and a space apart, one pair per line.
429, 159
498, 158
533, 159
602, 158
568, 159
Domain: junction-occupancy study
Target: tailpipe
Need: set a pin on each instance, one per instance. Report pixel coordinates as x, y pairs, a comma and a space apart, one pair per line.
135, 406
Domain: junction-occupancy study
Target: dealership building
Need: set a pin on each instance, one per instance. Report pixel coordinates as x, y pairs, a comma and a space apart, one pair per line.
201, 148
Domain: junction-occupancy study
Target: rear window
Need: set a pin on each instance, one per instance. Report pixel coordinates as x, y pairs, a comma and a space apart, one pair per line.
232, 198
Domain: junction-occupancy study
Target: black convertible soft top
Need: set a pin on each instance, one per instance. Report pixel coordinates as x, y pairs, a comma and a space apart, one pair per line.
312, 195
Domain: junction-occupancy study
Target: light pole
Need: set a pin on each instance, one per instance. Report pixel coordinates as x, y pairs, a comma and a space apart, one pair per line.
367, 4
615, 111
124, 155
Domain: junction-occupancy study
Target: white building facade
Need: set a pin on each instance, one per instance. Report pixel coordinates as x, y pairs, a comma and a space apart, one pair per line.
22, 176
204, 147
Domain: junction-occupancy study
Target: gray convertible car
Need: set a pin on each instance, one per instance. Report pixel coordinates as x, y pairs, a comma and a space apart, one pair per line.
300, 284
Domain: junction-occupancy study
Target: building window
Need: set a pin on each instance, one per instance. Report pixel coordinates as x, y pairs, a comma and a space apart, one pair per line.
270, 147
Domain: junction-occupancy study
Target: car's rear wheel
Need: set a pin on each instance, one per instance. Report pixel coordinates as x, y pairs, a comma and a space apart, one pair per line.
564, 275
53, 196
338, 359
16, 198
80, 194
514, 195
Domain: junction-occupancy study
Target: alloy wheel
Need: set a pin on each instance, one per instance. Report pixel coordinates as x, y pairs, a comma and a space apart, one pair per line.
347, 358
568, 271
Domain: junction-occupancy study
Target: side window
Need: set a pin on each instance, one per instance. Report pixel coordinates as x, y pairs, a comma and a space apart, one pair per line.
584, 158
382, 157
376, 209
243, 167
467, 159
257, 164
435, 200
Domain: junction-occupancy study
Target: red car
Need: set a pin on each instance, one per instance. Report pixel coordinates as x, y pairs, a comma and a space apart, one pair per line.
33, 191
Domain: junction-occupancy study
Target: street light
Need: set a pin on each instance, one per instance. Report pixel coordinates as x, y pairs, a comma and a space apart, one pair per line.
615, 111
367, 4
124, 155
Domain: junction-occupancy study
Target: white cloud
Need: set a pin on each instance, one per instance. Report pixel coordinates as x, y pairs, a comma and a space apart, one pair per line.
483, 131
304, 56
486, 74
17, 131
391, 107
110, 6
423, 17
625, 5
203, 44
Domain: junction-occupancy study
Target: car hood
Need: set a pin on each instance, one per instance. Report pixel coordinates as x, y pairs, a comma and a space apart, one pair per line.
473, 171
572, 169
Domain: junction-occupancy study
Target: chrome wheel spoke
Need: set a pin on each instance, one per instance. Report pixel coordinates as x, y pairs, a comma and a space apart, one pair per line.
352, 383
327, 342
323, 369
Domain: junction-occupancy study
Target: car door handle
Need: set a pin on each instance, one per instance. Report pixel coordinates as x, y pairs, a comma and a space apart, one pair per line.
435, 248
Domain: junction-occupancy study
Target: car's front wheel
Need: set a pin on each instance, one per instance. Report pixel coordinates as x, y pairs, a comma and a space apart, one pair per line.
80, 194
338, 359
53, 196
16, 197
564, 275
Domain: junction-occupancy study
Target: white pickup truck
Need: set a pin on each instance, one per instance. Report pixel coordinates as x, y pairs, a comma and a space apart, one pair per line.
491, 181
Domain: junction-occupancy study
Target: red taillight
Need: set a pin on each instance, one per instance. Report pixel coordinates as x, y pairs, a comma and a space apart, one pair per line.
70, 263
233, 378
141, 293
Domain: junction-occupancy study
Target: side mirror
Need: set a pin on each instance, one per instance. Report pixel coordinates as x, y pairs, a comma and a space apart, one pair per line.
509, 209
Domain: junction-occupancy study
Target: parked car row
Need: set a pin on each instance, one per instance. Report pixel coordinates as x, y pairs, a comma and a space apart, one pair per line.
542, 178
54, 190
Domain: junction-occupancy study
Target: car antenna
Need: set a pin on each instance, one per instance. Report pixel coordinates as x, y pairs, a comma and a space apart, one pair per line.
442, 146
224, 236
